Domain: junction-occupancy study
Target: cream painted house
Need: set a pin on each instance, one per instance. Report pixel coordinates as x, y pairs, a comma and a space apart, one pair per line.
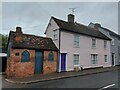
79, 46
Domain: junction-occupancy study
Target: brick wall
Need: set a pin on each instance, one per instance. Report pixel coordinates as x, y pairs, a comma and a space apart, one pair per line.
16, 68
49, 66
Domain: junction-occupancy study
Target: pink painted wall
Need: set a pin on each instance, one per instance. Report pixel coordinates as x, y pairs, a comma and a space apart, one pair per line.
85, 50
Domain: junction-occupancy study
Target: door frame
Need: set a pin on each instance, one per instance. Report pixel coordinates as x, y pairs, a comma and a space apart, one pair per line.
113, 59
65, 62
42, 62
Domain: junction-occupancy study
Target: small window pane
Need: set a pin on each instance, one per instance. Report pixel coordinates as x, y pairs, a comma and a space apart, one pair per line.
25, 56
94, 58
16, 54
76, 59
76, 41
50, 57
105, 44
55, 34
93, 43
105, 58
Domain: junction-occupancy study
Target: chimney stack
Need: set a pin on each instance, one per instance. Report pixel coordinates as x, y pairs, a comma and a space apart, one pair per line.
18, 30
71, 18
97, 25
18, 34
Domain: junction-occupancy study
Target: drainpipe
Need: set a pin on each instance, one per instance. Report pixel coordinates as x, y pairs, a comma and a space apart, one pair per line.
58, 64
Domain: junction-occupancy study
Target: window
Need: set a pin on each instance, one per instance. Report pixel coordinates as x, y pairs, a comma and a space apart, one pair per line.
105, 44
25, 56
50, 57
112, 42
76, 41
55, 36
16, 54
76, 60
105, 58
94, 58
93, 43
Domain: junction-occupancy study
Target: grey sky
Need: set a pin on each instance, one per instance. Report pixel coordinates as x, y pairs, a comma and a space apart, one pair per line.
34, 16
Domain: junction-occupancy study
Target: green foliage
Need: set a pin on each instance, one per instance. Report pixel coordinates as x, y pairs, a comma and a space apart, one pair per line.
3, 41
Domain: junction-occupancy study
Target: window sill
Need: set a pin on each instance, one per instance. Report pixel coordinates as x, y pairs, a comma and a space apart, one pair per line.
50, 61
93, 47
77, 47
94, 64
76, 65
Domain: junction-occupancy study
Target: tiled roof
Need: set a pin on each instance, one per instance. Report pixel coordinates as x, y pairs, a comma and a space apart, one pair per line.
111, 32
32, 42
79, 28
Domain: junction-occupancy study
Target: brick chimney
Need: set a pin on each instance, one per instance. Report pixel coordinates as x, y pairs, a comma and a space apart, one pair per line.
71, 18
18, 34
97, 25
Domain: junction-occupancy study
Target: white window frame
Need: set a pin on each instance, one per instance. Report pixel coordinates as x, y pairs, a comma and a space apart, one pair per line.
76, 59
105, 44
94, 43
76, 41
55, 34
94, 59
105, 58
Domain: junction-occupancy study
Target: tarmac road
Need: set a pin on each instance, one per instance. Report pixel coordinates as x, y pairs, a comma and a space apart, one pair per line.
100, 81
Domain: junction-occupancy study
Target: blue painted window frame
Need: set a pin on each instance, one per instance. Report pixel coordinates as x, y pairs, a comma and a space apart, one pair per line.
25, 56
51, 56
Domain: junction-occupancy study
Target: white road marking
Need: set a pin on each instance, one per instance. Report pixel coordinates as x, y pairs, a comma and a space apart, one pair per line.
107, 87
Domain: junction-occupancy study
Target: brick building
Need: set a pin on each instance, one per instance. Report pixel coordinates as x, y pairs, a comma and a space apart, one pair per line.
30, 54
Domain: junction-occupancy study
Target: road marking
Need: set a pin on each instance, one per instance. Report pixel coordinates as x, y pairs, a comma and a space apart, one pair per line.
107, 87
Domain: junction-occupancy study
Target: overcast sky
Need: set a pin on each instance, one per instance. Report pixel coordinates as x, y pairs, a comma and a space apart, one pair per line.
33, 17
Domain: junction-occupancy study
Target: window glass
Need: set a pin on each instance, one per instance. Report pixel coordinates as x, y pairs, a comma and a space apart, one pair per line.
50, 57
25, 56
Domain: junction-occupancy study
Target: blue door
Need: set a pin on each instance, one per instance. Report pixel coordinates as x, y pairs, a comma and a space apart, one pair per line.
38, 62
63, 62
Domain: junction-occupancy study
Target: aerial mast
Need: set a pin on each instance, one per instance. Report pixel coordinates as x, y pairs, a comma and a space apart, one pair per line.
72, 10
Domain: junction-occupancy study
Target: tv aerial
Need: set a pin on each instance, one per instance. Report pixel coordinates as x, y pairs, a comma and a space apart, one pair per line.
72, 10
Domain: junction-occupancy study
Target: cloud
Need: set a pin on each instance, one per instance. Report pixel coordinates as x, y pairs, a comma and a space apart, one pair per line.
30, 14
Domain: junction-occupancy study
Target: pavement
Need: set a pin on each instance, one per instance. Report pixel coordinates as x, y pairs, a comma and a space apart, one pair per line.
54, 76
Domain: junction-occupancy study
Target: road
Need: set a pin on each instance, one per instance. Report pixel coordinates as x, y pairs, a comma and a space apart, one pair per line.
99, 81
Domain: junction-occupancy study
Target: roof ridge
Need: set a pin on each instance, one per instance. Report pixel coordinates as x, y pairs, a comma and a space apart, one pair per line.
59, 19
32, 35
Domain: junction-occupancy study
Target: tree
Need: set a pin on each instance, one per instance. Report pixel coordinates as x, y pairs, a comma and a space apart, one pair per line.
3, 41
